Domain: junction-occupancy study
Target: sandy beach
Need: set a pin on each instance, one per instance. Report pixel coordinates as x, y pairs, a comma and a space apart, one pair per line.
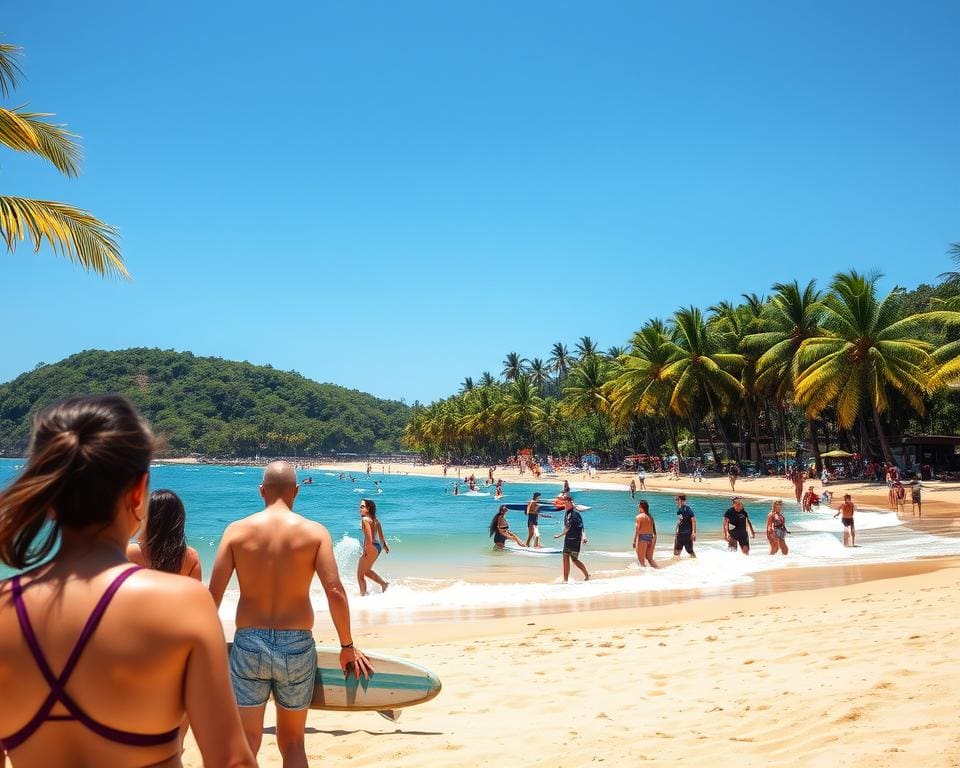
801, 672
858, 675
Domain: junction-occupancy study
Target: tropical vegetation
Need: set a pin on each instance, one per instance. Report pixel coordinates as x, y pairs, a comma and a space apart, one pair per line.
69, 231
209, 406
801, 370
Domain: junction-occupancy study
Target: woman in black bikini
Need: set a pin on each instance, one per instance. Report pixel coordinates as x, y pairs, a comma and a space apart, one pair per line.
500, 529
101, 659
371, 547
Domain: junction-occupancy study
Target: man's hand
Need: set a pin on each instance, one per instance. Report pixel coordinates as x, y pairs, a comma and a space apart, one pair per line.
353, 660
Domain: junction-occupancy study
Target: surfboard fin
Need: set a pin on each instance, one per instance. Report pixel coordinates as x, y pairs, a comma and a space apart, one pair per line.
390, 714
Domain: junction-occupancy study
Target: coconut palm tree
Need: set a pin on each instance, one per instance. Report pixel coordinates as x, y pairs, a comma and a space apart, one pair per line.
71, 232
586, 347
467, 387
615, 352
513, 367
865, 348
700, 369
487, 380
539, 374
559, 361
521, 408
585, 395
952, 279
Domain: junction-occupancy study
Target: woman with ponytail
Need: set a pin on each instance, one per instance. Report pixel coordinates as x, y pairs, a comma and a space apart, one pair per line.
162, 544
100, 660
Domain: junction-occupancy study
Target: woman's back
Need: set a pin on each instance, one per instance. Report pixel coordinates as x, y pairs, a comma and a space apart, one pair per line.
139, 554
130, 675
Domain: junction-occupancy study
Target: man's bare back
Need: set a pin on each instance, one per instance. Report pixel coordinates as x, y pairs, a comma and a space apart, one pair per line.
276, 554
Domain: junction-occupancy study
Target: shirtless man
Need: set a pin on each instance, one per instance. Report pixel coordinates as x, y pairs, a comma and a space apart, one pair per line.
846, 511
275, 553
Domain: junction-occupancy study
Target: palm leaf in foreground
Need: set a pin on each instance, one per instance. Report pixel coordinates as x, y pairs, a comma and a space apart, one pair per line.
71, 232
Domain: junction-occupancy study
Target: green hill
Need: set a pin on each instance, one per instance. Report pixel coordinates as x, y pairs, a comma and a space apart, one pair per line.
211, 406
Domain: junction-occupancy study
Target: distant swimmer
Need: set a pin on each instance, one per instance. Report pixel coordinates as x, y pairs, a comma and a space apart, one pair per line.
308, 480
275, 554
499, 490
633, 489
846, 511
566, 486
456, 489
686, 528
736, 520
533, 520
376, 484
500, 529
645, 535
372, 530
777, 529
574, 535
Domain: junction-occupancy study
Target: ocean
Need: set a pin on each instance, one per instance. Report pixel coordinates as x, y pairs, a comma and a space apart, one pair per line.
442, 559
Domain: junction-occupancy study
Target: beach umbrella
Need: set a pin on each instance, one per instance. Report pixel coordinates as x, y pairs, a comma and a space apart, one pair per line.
837, 454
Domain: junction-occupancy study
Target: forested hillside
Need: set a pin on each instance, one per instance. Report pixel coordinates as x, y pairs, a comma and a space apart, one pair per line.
211, 406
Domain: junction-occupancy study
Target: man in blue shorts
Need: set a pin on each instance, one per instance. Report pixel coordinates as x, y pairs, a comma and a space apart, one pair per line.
275, 553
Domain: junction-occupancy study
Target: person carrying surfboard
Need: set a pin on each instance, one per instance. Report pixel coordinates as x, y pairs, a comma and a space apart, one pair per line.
275, 553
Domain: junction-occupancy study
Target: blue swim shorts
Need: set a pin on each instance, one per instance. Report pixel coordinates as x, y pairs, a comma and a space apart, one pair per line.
281, 661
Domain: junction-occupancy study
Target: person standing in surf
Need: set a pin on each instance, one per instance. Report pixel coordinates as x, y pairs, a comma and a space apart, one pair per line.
533, 520
846, 516
276, 553
686, 528
371, 548
777, 529
736, 520
500, 529
573, 535
645, 535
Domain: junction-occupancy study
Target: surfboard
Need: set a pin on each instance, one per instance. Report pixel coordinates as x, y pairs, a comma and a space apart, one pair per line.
394, 684
511, 547
546, 506
474, 493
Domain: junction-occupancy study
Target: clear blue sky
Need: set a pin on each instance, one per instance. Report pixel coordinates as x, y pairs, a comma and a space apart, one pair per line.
392, 196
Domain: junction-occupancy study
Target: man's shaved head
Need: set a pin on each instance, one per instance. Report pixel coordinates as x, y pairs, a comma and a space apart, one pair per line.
279, 482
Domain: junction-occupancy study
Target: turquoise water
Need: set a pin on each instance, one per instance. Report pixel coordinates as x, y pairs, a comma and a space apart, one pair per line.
442, 557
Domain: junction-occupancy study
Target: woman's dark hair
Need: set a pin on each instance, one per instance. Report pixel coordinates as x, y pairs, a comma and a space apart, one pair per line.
165, 534
84, 453
371, 508
644, 506
493, 522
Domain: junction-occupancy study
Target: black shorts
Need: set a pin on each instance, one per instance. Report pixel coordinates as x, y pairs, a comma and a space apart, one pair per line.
684, 540
743, 541
573, 553
847, 521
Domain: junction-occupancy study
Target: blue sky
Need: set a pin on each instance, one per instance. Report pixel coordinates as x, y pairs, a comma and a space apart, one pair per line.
392, 196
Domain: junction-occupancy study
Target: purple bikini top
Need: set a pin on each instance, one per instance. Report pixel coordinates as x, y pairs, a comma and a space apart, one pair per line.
58, 684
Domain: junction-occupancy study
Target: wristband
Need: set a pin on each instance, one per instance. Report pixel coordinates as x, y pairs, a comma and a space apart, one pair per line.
345, 647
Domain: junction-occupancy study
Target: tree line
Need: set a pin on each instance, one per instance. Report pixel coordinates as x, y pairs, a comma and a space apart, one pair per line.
747, 381
210, 406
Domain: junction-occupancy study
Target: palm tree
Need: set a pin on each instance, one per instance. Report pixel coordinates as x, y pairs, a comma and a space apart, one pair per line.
615, 352
70, 232
585, 393
539, 374
640, 387
701, 369
952, 279
865, 347
467, 387
791, 316
521, 408
487, 380
586, 347
513, 368
559, 361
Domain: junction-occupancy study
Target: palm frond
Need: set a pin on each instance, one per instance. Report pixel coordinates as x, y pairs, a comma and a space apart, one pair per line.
51, 141
9, 68
70, 232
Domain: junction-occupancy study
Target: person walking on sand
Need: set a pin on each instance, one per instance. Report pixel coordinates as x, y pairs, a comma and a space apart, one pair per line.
500, 529
915, 507
633, 489
275, 553
533, 520
573, 535
686, 533
161, 544
736, 520
101, 660
642, 478
846, 511
645, 535
732, 474
777, 529
371, 548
